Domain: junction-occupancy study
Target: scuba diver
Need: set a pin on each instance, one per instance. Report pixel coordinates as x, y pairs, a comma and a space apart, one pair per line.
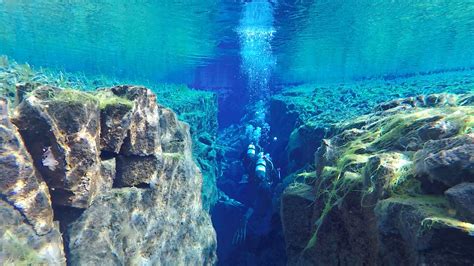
259, 178
256, 165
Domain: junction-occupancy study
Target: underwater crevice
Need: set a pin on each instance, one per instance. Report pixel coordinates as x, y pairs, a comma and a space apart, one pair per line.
66, 215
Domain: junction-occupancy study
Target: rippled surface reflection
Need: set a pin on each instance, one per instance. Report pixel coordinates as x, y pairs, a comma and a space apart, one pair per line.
314, 41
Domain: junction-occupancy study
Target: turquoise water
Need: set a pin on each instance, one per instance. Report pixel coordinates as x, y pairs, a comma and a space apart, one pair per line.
353, 39
275, 75
153, 40
313, 40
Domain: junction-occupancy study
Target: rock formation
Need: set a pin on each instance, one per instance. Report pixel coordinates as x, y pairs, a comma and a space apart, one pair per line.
61, 130
28, 234
392, 187
121, 176
301, 115
199, 110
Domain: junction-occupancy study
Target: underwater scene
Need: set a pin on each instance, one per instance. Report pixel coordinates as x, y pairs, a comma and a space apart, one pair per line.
237, 132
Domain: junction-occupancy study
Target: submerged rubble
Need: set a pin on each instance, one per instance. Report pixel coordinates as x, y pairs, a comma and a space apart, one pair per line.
119, 168
391, 187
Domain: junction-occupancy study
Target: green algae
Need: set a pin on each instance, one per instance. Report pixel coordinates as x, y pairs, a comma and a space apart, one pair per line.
447, 222
433, 210
195, 107
308, 177
373, 157
109, 99
405, 126
332, 197
178, 97
72, 96
18, 252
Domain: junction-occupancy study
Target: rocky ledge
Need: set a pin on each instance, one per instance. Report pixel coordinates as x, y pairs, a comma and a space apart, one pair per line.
111, 170
394, 187
301, 115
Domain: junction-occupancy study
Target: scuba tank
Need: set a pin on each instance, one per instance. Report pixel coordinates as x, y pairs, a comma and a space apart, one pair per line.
251, 151
261, 166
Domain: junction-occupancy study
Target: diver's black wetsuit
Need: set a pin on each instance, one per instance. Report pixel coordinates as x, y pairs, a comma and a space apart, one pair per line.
256, 194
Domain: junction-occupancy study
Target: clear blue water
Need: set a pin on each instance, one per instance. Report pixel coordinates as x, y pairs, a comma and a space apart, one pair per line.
248, 50
312, 40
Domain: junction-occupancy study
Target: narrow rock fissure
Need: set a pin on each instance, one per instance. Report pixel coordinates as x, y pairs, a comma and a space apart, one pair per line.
66, 215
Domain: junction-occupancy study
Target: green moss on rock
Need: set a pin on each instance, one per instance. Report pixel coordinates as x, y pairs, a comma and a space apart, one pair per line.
107, 98
368, 172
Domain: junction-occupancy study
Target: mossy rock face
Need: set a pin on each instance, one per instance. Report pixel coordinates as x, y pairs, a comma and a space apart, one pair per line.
373, 178
196, 107
318, 107
161, 222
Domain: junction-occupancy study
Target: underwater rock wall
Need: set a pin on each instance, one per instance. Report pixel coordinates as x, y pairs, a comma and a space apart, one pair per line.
122, 179
199, 109
391, 187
